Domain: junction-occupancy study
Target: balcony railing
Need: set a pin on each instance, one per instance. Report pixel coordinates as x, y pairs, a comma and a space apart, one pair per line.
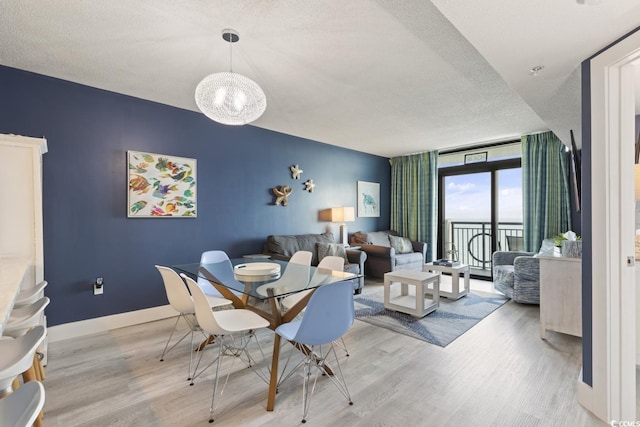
470, 241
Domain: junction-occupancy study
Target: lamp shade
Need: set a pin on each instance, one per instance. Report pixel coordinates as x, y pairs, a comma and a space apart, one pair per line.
230, 98
343, 214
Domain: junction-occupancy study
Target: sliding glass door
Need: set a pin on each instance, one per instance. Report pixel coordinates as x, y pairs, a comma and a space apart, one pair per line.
480, 211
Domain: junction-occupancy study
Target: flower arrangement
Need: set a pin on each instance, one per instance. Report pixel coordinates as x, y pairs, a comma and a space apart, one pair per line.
570, 245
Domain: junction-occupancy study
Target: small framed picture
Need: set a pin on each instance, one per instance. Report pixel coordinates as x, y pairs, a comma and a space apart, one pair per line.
368, 199
475, 158
160, 186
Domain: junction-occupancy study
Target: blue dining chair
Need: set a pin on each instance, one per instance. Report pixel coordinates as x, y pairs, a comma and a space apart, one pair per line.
326, 265
327, 317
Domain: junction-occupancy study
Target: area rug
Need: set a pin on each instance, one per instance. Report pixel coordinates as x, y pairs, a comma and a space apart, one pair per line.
441, 327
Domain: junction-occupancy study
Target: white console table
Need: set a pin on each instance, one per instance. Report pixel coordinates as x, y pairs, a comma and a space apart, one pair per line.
560, 295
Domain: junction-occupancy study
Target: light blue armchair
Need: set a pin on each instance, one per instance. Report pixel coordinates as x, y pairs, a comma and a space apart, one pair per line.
517, 274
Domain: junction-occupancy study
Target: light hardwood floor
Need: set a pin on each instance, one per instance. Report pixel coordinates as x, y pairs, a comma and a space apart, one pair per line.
499, 373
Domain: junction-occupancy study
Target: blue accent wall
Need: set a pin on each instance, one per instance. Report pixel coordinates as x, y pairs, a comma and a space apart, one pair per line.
86, 230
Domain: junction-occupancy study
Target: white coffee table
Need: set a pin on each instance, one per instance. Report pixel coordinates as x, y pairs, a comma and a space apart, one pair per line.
418, 305
455, 271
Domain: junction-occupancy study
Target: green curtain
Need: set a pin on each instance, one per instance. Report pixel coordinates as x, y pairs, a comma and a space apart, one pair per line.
414, 187
545, 182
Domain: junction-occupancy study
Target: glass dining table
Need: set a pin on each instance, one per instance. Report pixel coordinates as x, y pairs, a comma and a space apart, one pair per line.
246, 283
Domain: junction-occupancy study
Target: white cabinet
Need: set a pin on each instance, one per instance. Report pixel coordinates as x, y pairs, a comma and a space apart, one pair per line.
560, 295
21, 214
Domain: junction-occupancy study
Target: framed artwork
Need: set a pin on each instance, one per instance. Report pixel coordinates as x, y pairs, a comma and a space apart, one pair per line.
368, 199
161, 186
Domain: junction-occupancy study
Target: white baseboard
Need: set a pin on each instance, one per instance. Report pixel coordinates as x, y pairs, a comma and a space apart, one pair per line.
107, 323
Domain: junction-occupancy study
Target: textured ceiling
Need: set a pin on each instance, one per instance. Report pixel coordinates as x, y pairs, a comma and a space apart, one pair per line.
387, 77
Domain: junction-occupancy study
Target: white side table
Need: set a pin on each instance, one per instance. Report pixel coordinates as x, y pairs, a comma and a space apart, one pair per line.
419, 305
455, 271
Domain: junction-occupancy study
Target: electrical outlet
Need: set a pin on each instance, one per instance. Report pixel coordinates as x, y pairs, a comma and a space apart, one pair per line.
98, 287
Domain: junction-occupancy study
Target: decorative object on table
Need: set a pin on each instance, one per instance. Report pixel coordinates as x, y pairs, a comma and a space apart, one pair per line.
282, 194
368, 199
296, 171
572, 249
230, 98
161, 186
309, 186
569, 243
452, 318
452, 252
446, 262
257, 271
342, 215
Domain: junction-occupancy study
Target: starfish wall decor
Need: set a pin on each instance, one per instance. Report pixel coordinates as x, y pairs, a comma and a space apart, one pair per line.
282, 194
295, 171
309, 185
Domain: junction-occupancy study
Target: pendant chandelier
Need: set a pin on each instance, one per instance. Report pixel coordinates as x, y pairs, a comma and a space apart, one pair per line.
230, 98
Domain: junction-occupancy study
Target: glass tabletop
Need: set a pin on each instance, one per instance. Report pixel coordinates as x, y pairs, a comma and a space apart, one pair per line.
264, 279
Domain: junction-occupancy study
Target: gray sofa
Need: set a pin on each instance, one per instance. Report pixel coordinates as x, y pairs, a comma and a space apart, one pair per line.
517, 274
383, 257
282, 247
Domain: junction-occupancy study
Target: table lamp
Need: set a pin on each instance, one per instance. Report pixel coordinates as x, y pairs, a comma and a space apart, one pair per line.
343, 215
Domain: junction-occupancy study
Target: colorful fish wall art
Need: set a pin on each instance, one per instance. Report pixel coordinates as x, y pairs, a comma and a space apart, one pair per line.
161, 186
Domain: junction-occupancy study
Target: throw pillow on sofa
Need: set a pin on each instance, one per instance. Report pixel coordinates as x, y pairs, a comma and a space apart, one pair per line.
331, 249
402, 245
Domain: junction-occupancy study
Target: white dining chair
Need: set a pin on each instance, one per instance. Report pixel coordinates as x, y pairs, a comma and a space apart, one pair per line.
325, 266
222, 325
295, 275
22, 407
180, 301
26, 317
30, 295
16, 357
213, 257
